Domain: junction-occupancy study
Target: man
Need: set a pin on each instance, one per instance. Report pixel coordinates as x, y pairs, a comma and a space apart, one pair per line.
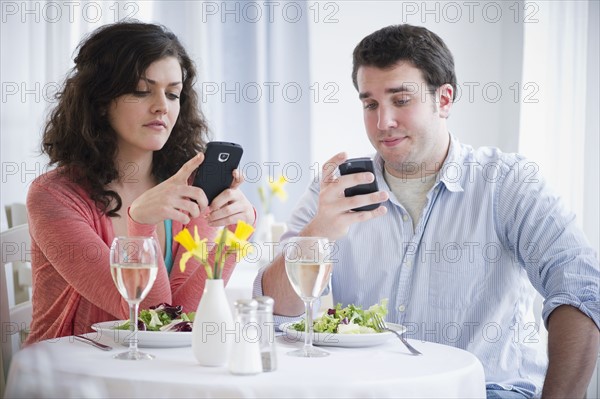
462, 236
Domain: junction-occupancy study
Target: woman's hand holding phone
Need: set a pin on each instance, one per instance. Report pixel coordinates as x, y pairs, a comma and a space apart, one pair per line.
231, 205
220, 179
172, 199
175, 199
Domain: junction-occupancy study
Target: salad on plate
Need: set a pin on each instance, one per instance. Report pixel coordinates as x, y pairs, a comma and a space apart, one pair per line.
349, 320
162, 317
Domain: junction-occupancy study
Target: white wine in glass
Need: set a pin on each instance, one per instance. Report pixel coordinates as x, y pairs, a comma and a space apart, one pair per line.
133, 266
308, 279
308, 266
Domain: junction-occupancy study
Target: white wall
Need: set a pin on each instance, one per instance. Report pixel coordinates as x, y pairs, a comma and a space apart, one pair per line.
487, 49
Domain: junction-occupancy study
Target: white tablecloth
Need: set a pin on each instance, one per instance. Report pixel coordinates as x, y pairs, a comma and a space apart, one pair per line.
68, 368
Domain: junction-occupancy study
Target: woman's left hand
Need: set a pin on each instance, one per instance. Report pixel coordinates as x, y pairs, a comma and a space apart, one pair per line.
231, 205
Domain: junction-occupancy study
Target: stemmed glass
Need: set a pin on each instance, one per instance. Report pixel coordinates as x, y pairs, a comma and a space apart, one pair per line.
308, 266
133, 267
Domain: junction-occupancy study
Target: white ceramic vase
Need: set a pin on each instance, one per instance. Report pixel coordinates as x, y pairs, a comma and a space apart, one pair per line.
213, 325
263, 235
265, 224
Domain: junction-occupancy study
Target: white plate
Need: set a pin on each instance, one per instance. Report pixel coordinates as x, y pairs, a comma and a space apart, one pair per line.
343, 340
146, 339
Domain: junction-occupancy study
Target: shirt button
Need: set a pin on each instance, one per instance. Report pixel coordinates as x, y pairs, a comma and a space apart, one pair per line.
408, 263
401, 308
405, 218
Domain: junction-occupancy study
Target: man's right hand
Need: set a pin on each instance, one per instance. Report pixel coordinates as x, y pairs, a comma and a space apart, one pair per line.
334, 216
333, 219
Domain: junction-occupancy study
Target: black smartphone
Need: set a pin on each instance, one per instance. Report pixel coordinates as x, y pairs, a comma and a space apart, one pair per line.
357, 165
214, 175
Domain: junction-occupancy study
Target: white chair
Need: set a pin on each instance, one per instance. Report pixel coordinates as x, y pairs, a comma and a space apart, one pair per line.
16, 214
15, 244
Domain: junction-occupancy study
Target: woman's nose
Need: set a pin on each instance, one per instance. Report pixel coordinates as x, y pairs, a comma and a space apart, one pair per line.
159, 104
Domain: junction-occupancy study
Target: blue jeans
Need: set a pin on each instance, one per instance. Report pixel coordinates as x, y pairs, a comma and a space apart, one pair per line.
502, 394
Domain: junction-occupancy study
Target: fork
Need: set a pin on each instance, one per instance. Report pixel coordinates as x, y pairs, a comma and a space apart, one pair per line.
92, 342
380, 324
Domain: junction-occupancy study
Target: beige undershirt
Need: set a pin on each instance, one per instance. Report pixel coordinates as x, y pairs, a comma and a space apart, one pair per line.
411, 193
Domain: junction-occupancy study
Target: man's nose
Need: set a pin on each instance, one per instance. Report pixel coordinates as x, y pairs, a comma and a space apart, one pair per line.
386, 119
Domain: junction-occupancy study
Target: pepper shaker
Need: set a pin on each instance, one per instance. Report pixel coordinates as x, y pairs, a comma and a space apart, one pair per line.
267, 333
245, 352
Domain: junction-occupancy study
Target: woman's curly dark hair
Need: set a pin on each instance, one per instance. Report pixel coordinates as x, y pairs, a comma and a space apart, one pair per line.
110, 63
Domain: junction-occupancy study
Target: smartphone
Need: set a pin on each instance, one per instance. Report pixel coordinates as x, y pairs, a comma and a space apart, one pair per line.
357, 165
214, 175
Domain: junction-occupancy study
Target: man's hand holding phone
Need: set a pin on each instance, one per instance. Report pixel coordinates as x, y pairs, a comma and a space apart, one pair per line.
335, 212
358, 165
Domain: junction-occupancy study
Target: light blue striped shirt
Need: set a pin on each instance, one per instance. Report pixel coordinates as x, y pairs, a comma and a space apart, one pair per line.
490, 232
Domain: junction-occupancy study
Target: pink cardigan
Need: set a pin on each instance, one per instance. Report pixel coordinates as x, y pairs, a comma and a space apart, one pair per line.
72, 284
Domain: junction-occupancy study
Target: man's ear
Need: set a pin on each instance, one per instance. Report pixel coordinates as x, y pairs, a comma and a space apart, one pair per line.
445, 95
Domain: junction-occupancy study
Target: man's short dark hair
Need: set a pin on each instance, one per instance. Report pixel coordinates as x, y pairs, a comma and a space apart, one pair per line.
423, 48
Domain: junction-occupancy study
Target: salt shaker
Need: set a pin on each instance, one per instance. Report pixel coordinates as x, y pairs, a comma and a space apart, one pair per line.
245, 352
267, 333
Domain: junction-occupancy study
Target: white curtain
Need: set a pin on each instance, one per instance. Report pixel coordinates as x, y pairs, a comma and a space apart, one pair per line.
38, 43
559, 124
253, 83
255, 88
553, 121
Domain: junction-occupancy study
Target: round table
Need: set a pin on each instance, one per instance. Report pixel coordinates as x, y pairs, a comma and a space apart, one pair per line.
69, 368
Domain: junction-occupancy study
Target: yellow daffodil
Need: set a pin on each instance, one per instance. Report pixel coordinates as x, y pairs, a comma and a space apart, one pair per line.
243, 230
226, 243
277, 188
195, 247
237, 242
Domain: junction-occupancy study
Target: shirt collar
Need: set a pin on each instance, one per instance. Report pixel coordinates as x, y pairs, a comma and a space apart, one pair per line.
450, 174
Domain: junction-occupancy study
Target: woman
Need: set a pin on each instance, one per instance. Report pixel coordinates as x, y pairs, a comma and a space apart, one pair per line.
126, 135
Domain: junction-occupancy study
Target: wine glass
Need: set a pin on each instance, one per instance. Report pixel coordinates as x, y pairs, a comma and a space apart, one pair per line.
133, 267
308, 266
